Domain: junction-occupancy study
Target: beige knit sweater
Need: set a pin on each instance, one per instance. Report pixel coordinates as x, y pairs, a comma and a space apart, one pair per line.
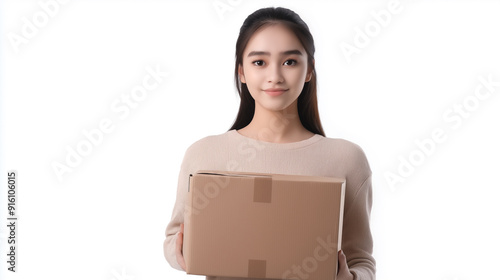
316, 156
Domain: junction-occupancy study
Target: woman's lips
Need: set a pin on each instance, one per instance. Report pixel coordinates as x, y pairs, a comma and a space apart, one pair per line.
274, 92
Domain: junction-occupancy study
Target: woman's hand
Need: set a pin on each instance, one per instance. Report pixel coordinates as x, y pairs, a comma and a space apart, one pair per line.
343, 273
178, 248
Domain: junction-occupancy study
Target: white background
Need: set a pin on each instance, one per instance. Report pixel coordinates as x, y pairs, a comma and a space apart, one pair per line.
106, 218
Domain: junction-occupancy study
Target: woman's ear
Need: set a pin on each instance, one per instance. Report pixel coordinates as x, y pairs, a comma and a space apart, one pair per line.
242, 76
309, 72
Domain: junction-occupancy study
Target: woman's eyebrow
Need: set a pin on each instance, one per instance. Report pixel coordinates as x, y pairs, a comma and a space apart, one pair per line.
252, 53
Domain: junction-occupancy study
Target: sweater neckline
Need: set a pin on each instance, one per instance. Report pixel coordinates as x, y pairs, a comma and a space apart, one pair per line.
291, 145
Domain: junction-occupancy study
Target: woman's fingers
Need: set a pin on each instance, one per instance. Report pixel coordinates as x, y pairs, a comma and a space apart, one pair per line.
342, 261
343, 273
179, 242
178, 250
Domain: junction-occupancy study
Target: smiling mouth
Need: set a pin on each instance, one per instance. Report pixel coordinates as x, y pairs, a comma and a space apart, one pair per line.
275, 92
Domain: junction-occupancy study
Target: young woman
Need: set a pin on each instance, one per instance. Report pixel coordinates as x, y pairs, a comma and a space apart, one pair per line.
278, 130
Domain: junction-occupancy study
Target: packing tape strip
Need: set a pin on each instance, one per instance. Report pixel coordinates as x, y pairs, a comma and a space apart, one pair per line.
262, 189
257, 268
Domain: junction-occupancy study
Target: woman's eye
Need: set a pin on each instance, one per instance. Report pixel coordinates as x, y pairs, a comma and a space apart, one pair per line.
261, 63
258, 61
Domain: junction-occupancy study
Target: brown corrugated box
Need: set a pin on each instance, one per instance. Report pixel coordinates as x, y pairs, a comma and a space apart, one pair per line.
262, 225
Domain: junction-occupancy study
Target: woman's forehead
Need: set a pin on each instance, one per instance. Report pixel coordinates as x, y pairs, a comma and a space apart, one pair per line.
274, 39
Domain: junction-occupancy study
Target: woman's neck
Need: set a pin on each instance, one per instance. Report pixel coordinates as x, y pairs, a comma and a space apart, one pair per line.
282, 126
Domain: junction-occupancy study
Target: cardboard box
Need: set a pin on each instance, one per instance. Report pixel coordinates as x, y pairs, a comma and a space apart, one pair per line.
260, 225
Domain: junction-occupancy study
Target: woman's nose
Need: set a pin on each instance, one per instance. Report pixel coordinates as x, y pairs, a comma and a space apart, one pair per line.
275, 74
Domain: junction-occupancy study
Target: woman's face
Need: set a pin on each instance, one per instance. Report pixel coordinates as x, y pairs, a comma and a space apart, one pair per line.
274, 58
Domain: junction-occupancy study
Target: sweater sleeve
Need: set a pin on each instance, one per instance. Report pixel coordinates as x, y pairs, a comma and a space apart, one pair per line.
173, 227
357, 241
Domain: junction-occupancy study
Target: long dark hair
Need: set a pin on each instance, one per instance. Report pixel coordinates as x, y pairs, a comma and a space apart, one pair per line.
307, 102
